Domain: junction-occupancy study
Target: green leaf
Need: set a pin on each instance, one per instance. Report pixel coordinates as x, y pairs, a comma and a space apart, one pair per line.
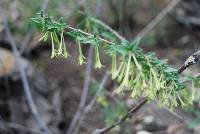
117, 49
170, 70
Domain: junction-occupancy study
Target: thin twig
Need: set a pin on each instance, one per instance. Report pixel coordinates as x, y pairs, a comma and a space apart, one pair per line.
89, 34
26, 41
25, 82
92, 102
126, 116
122, 16
98, 7
88, 108
5, 125
20, 127
193, 59
108, 28
158, 18
87, 78
29, 36
44, 5
180, 118
143, 32
84, 92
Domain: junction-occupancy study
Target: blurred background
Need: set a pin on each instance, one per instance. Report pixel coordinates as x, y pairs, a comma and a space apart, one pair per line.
56, 85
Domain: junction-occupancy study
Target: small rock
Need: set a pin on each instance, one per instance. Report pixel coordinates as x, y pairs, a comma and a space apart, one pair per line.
149, 120
130, 102
8, 66
150, 124
7, 62
139, 127
143, 132
176, 129
197, 130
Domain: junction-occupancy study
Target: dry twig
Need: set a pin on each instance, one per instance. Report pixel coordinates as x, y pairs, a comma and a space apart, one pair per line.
126, 116
20, 127
88, 108
24, 79
84, 93
157, 19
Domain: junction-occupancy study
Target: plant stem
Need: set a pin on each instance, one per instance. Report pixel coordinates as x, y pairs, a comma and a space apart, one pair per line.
128, 115
108, 28
84, 93
158, 18
88, 34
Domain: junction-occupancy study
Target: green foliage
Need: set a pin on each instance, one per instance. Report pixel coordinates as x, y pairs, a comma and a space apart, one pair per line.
142, 74
194, 110
112, 109
196, 121
113, 112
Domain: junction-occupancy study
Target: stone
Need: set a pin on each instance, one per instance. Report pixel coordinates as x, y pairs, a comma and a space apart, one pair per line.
197, 129
149, 120
8, 66
143, 132
7, 62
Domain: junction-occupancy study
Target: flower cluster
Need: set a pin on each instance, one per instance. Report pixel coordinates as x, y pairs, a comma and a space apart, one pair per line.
139, 73
51, 27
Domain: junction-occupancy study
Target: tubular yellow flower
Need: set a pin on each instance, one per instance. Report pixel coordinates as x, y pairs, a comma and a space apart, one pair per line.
120, 76
44, 37
114, 76
81, 57
66, 54
126, 78
60, 45
136, 62
97, 59
114, 64
53, 54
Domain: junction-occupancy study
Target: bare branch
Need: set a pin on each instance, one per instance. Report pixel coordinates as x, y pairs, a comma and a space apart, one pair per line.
158, 18
88, 108
84, 92
26, 41
44, 5
180, 118
98, 7
193, 59
92, 102
108, 28
20, 127
25, 82
89, 34
126, 116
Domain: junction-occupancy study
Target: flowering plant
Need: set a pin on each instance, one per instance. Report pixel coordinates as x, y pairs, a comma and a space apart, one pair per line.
142, 74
